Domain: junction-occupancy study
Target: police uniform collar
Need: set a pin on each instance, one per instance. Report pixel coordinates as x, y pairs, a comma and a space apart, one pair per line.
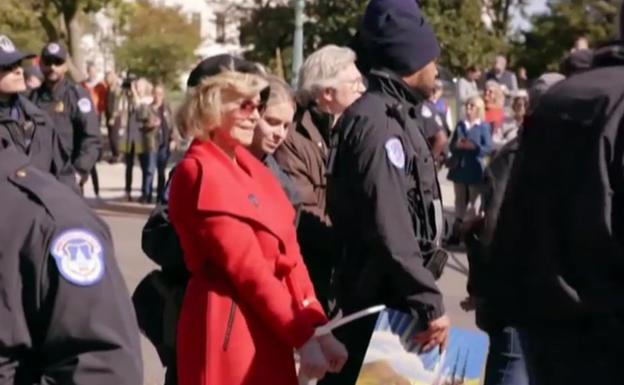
7, 106
31, 110
11, 161
391, 84
56, 90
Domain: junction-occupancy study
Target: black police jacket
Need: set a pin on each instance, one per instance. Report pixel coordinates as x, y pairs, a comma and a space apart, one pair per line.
73, 113
65, 313
34, 134
381, 182
479, 238
560, 233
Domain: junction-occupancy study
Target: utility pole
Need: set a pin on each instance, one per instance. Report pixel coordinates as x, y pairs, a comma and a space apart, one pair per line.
298, 41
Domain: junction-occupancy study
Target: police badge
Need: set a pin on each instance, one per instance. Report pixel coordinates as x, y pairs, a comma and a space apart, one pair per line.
79, 257
59, 107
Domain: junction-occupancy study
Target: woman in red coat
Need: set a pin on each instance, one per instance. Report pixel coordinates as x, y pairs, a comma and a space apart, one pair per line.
249, 302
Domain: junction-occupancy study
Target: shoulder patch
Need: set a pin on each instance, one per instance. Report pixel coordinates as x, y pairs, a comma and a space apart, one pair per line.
426, 111
79, 257
84, 105
438, 120
395, 153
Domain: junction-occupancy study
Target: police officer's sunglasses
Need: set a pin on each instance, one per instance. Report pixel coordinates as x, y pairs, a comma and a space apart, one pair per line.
52, 61
11, 67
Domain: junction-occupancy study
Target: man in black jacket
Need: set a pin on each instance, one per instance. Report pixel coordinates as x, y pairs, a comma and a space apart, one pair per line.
65, 313
383, 193
71, 109
559, 242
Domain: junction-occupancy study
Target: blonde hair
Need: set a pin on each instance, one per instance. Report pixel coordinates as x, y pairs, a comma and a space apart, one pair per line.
202, 109
479, 104
280, 92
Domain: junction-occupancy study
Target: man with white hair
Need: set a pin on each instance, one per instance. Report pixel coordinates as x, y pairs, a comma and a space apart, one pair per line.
329, 83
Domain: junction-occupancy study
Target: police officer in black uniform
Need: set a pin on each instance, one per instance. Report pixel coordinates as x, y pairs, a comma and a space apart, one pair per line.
71, 109
383, 193
23, 124
559, 241
65, 314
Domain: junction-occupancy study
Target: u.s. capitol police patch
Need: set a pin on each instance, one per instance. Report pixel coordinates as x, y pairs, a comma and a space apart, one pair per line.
79, 257
426, 111
395, 153
6, 44
84, 105
53, 48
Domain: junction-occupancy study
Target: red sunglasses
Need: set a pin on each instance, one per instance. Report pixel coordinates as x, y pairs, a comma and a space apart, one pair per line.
247, 107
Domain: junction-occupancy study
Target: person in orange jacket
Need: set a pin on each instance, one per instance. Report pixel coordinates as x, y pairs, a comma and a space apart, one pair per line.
249, 302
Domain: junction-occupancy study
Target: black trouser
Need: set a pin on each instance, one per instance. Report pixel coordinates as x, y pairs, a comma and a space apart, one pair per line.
130, 153
318, 247
162, 159
113, 139
95, 180
356, 337
584, 352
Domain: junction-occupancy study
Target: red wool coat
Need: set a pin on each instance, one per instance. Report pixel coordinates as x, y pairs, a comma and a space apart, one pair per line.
249, 301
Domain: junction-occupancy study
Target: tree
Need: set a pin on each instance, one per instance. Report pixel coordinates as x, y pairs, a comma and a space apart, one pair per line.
159, 43
543, 47
270, 27
31, 23
63, 20
22, 25
268, 30
464, 38
499, 13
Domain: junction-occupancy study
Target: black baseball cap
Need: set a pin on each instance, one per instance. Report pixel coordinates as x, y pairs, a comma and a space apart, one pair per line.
9, 54
54, 50
219, 63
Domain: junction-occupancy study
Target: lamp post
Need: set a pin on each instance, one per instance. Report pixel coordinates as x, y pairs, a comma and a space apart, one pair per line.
298, 41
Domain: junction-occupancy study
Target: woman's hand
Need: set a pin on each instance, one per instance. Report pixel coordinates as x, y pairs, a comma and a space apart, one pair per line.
312, 360
335, 352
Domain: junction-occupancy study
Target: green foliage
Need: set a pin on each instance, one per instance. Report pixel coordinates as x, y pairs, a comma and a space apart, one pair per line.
464, 38
269, 29
332, 22
159, 43
553, 34
21, 24
271, 26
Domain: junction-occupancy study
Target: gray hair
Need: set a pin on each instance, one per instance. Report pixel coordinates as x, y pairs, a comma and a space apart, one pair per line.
321, 69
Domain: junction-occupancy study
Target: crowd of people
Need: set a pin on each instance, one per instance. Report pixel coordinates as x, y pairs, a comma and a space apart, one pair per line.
292, 205
137, 118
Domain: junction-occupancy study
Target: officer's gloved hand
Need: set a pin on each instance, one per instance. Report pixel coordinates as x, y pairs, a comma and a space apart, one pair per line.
335, 352
313, 364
